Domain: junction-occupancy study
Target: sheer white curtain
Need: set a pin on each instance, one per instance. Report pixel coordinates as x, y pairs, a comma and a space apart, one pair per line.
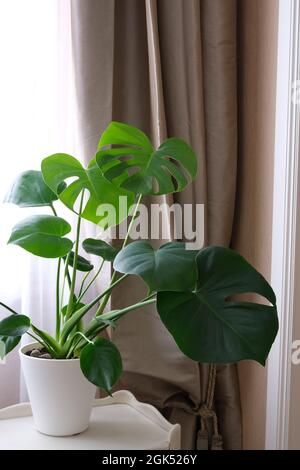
37, 119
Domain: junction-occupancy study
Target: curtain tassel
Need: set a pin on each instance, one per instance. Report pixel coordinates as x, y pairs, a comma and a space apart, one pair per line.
206, 412
202, 437
217, 442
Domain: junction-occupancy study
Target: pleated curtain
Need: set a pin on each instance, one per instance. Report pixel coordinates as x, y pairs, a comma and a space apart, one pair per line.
168, 67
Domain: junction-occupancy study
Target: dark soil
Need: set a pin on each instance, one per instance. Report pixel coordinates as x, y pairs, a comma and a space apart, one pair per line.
39, 353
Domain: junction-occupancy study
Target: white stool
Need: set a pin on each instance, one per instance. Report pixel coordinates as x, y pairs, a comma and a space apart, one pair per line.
117, 422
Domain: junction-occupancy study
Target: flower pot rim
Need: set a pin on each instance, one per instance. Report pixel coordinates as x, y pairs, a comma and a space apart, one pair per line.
28, 346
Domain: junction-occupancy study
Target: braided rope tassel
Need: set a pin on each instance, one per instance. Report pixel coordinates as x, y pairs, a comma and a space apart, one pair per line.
206, 412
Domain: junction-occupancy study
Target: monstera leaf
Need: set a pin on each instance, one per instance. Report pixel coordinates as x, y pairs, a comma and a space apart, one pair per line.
14, 325
82, 264
171, 267
207, 325
42, 235
2, 348
7, 344
101, 363
60, 167
100, 248
135, 165
30, 190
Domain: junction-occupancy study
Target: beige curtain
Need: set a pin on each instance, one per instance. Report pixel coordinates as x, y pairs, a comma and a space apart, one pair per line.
168, 67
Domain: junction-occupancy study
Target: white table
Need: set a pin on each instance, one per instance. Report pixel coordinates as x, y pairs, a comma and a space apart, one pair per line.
117, 422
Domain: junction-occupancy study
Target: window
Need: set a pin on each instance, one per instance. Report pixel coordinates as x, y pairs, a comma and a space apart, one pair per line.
35, 106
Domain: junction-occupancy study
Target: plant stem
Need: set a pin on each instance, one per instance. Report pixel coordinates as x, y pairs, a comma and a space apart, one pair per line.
132, 220
66, 261
81, 294
38, 340
72, 349
95, 326
106, 298
73, 282
108, 292
71, 322
53, 210
8, 308
83, 336
62, 293
83, 282
119, 313
68, 277
150, 296
50, 342
58, 320
44, 344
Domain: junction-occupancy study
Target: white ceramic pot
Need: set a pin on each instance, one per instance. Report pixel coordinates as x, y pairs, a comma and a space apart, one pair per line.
61, 397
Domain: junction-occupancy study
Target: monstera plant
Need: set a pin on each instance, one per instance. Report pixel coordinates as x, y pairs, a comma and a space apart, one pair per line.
194, 291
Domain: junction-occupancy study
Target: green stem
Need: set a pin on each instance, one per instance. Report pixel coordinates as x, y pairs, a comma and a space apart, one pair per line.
38, 340
78, 344
150, 296
62, 293
45, 344
58, 319
76, 317
53, 210
81, 294
95, 324
132, 220
83, 282
68, 277
66, 271
83, 336
106, 298
50, 342
73, 282
119, 313
8, 308
72, 349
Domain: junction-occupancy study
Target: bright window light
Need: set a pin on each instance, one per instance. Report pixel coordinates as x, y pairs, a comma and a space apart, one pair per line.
34, 100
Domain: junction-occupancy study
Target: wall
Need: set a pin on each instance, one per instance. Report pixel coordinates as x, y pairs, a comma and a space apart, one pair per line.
252, 236
294, 411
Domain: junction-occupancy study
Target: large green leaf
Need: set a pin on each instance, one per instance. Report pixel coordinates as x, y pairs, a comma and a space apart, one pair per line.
100, 248
118, 133
14, 325
171, 267
101, 363
135, 165
208, 325
30, 190
61, 167
82, 264
42, 235
7, 344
